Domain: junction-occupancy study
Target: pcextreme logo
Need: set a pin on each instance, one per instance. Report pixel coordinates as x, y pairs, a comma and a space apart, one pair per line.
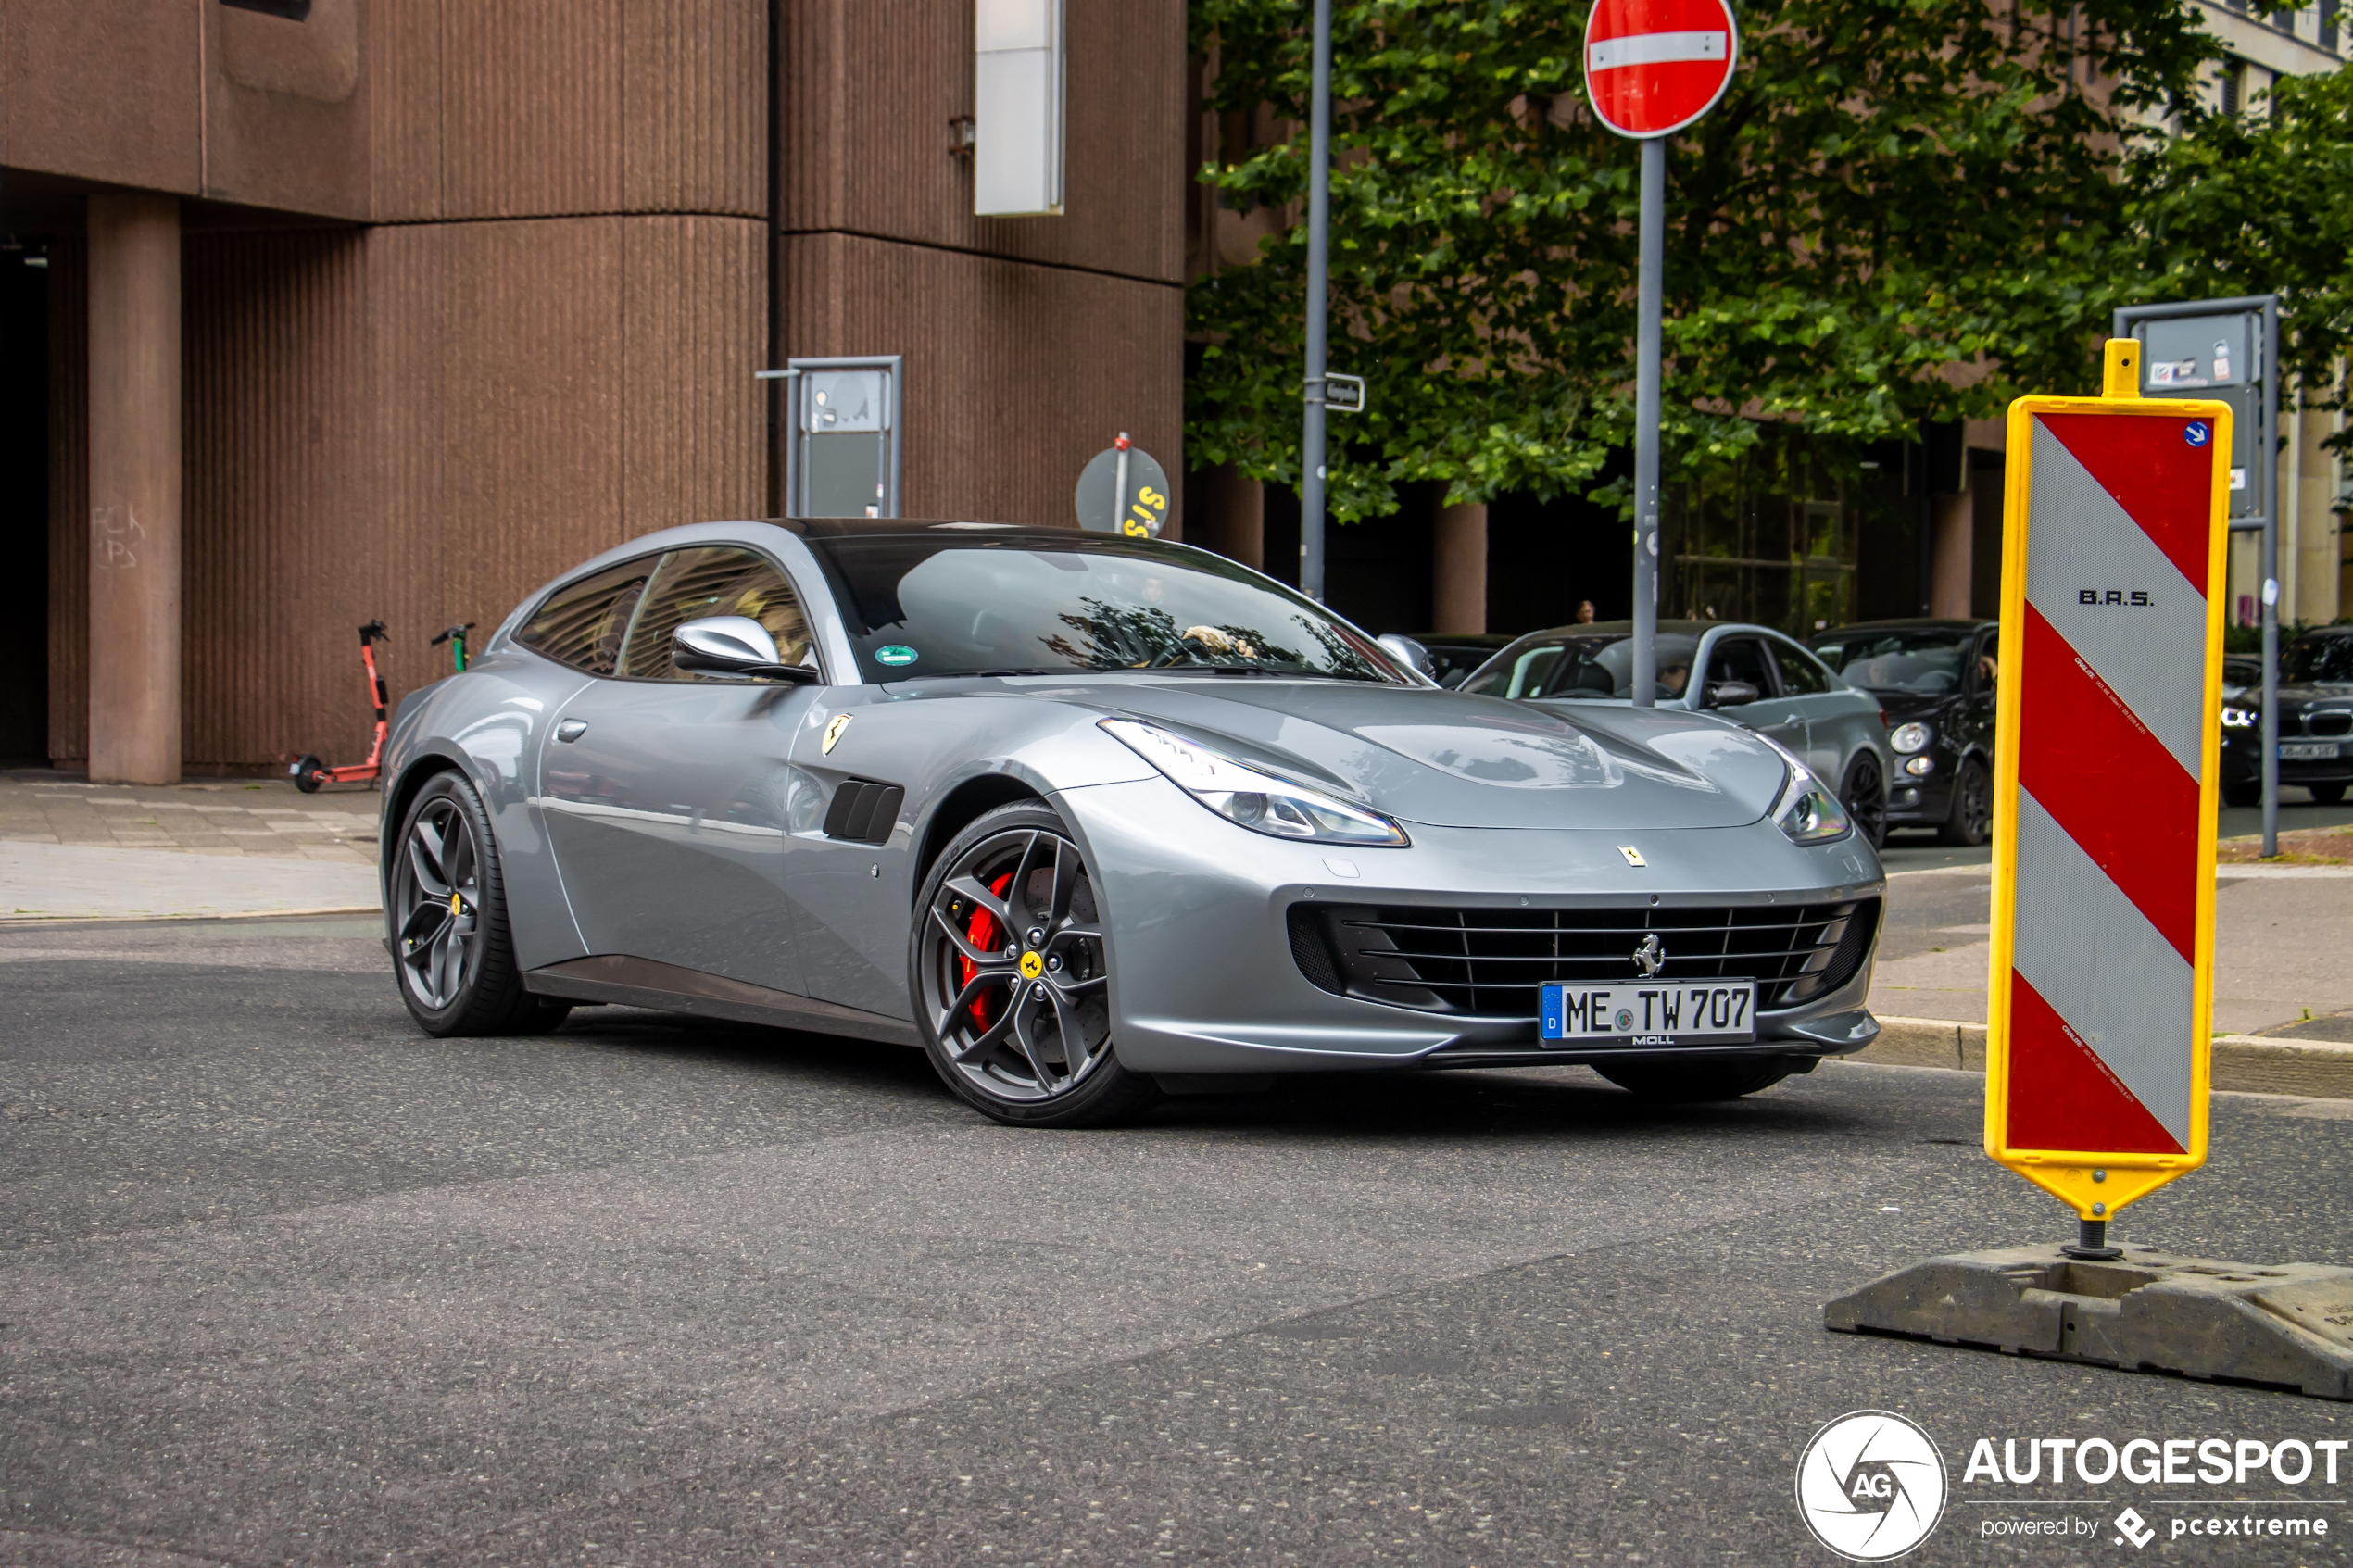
1871, 1485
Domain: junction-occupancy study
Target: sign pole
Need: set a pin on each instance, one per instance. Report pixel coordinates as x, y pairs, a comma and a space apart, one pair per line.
2251, 322
1311, 445
1652, 67
1649, 290
2266, 466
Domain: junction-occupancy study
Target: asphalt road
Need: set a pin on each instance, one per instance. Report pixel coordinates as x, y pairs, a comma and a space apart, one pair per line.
283, 1282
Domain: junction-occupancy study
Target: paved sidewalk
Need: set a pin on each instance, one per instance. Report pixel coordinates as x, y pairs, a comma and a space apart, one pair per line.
72, 851
2281, 937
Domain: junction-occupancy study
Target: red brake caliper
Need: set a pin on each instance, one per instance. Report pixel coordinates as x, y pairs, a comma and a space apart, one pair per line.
985, 935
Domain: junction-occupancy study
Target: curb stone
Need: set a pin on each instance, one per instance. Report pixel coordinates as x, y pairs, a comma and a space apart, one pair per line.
2245, 1064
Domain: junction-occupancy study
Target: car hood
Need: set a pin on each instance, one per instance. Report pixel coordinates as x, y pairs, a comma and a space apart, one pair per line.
1445, 759
2302, 691
1899, 706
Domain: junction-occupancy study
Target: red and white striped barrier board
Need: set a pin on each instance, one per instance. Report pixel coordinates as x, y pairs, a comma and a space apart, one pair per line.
2105, 755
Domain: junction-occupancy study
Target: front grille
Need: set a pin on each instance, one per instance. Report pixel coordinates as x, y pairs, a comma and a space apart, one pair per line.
1493, 963
2330, 725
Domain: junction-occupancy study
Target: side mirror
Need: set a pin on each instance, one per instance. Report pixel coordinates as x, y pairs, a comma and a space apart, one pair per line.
734, 644
1407, 652
1732, 693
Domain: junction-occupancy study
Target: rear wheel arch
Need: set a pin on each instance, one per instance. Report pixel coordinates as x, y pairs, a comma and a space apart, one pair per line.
403, 791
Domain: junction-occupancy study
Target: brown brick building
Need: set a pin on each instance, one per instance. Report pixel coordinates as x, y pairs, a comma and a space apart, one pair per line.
314, 311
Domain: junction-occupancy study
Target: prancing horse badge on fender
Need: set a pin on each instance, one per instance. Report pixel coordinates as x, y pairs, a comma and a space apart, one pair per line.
834, 730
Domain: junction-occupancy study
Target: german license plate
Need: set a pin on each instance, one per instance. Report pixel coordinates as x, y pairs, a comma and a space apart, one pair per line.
2308, 751
1715, 1012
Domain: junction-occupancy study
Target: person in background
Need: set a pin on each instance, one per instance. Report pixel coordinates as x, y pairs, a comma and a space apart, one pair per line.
1585, 612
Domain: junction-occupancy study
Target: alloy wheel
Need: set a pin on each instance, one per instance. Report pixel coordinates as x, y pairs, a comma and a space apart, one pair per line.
439, 886
1014, 971
1977, 804
1867, 800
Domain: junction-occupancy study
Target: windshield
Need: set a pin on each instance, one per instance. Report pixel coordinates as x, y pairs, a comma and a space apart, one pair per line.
1926, 661
941, 604
2316, 659
1585, 667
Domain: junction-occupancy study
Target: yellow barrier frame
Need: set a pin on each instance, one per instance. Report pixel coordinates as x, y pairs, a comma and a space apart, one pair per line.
2069, 1175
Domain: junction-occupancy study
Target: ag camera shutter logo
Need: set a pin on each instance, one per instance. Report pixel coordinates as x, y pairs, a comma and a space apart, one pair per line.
1871, 1485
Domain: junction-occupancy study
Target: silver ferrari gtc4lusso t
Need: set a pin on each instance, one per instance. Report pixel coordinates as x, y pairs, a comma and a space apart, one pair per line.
1092, 819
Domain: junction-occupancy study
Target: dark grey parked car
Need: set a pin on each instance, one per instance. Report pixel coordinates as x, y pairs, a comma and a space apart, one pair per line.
1092, 819
1753, 675
1935, 682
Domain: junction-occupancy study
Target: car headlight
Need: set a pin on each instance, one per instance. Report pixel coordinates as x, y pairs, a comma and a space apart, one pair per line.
1807, 809
1250, 797
1909, 738
2240, 717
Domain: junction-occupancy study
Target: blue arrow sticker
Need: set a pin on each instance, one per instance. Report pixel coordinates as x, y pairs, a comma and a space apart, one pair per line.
2196, 433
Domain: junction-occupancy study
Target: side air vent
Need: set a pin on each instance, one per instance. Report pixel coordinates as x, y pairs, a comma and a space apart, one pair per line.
863, 812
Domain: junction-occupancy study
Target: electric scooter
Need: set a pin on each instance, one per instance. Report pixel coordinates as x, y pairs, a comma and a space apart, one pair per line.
456, 637
309, 772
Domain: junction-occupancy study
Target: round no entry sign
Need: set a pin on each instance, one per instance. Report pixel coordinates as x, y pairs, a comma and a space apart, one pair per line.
1652, 66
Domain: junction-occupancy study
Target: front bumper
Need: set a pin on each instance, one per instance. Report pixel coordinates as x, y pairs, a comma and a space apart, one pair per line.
2243, 760
1203, 979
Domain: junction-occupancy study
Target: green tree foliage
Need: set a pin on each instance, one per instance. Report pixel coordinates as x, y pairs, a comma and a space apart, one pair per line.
2259, 203
1889, 188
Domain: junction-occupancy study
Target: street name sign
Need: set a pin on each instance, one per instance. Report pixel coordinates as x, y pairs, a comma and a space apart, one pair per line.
1653, 66
2115, 522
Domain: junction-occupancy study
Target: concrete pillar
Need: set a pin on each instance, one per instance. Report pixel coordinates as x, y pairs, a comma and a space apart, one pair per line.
1236, 527
1953, 541
134, 488
1459, 567
2313, 568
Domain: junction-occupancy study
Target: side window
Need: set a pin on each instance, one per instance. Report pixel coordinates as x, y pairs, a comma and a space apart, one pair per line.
1739, 658
582, 623
718, 580
1800, 672
1989, 661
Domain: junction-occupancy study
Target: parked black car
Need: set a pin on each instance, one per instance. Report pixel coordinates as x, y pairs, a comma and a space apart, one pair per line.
1454, 654
2316, 721
1935, 679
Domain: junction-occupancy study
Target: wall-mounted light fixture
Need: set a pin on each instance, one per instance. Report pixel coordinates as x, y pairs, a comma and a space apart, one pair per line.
1017, 109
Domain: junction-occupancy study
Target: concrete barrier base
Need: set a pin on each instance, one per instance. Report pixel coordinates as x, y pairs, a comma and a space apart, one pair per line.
2285, 1325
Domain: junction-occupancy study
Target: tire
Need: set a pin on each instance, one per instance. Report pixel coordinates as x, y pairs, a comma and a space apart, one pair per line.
2326, 794
995, 1025
1865, 797
1695, 1083
2250, 793
1970, 822
306, 770
453, 952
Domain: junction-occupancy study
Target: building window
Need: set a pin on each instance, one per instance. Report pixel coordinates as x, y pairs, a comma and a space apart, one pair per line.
2234, 83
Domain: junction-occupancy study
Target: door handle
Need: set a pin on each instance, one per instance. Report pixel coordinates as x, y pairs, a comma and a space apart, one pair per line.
571, 729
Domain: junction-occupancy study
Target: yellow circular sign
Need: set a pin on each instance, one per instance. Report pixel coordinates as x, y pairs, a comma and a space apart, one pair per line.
1032, 966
